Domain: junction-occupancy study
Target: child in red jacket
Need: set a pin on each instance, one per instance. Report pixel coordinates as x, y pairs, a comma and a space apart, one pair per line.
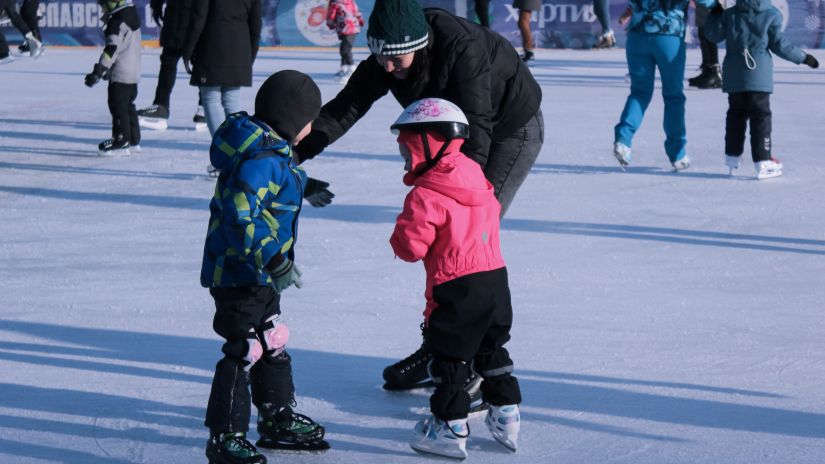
451, 222
344, 18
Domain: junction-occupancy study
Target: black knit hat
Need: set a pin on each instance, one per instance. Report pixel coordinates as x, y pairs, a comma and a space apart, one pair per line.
397, 27
287, 101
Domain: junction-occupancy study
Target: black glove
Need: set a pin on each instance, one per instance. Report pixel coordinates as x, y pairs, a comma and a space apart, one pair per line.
811, 61
98, 73
157, 16
310, 146
187, 66
717, 9
317, 194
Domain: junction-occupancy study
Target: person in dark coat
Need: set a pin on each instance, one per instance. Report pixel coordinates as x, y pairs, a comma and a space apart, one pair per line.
431, 53
33, 44
221, 46
174, 23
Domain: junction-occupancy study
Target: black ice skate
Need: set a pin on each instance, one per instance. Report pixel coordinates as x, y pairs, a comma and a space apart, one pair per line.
154, 117
232, 448
287, 430
200, 120
473, 388
112, 147
709, 78
411, 372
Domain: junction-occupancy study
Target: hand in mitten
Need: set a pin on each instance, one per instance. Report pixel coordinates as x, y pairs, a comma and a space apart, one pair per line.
284, 274
811, 61
317, 194
96, 75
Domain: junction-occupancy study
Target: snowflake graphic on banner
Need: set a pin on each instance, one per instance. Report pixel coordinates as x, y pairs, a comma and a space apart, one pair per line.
812, 23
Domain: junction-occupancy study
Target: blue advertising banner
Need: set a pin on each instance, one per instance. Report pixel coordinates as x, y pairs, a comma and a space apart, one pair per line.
559, 24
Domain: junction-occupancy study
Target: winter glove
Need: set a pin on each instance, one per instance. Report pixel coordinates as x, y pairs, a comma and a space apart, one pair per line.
310, 146
187, 66
98, 73
285, 274
157, 16
317, 194
811, 61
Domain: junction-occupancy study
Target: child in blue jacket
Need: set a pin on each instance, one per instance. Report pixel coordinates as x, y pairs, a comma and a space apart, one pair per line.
751, 29
249, 260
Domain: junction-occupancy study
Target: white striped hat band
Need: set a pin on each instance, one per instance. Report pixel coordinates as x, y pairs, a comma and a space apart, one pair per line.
380, 47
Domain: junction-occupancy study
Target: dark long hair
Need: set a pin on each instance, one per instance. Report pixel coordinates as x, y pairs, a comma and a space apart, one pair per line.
413, 87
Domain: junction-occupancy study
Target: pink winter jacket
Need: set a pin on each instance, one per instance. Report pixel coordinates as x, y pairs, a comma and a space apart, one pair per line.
343, 17
450, 218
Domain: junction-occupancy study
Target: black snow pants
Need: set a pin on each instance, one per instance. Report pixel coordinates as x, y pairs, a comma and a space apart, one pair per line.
237, 310
471, 325
124, 115
745, 107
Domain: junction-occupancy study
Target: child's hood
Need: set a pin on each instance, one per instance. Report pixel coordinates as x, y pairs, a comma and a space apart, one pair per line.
754, 5
240, 138
126, 13
458, 177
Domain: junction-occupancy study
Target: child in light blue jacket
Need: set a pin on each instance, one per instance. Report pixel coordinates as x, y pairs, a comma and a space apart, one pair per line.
751, 29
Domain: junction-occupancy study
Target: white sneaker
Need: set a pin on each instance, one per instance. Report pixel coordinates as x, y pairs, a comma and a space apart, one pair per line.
622, 153
435, 436
768, 169
504, 423
732, 162
682, 163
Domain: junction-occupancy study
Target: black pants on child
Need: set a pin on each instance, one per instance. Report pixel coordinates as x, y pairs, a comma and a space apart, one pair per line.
124, 115
237, 310
753, 107
471, 325
346, 48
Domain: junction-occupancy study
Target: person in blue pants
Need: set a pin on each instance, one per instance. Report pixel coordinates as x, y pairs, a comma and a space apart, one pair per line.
655, 39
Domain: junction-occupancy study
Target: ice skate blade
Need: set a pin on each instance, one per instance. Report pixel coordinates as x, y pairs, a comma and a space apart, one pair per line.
511, 447
153, 123
201, 127
430, 453
114, 153
768, 175
313, 447
415, 386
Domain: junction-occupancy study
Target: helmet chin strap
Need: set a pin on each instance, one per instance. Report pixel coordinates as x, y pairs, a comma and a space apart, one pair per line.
430, 160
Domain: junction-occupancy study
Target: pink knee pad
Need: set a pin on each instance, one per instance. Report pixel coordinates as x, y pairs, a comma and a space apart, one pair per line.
275, 335
254, 351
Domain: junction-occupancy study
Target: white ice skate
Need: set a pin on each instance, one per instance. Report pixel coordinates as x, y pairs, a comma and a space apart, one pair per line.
435, 436
681, 164
732, 162
342, 76
35, 46
6, 59
504, 423
622, 153
768, 169
200, 120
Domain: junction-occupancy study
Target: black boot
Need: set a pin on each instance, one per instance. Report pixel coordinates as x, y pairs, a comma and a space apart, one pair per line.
232, 448
709, 78
410, 372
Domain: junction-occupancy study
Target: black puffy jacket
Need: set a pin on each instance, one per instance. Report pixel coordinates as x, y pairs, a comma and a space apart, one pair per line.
475, 68
222, 41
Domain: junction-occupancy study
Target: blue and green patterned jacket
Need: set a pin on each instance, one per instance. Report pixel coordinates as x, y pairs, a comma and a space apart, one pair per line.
666, 17
254, 212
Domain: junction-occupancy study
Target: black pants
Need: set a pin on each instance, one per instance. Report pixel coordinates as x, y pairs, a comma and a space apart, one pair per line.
482, 7
124, 115
8, 6
346, 48
237, 310
753, 107
28, 11
471, 324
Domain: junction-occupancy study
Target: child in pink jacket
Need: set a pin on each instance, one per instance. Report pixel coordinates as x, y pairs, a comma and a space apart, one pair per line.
344, 18
451, 222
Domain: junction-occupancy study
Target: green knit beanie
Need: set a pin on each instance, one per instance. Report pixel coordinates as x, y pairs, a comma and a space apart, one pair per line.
397, 27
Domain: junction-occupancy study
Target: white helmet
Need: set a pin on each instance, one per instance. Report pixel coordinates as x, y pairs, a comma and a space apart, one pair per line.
434, 114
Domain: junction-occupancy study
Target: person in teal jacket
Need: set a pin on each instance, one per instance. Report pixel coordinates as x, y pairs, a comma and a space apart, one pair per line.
751, 29
655, 39
249, 260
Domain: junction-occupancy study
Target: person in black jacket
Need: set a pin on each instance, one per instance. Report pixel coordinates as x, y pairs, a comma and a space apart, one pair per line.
174, 22
33, 44
221, 46
431, 53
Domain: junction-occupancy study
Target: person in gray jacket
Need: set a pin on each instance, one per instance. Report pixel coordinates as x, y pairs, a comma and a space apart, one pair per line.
120, 64
751, 30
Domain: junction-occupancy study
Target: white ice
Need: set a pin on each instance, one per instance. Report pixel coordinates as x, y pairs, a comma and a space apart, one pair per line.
660, 317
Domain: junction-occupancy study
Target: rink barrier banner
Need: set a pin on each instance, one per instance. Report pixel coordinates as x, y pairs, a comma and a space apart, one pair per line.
301, 23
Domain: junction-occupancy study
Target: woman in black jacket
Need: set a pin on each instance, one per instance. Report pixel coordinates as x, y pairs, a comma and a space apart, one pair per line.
221, 45
431, 53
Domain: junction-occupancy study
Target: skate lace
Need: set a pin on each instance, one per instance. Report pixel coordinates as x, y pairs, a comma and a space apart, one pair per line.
238, 444
421, 355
